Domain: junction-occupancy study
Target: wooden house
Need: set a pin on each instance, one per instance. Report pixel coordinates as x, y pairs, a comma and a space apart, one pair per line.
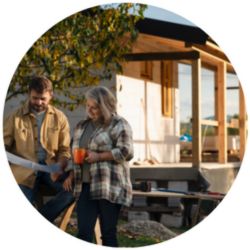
148, 95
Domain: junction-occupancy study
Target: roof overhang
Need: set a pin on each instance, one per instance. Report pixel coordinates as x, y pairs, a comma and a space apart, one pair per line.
186, 33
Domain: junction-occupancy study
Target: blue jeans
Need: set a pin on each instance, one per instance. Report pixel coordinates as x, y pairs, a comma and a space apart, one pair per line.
87, 212
55, 205
28, 192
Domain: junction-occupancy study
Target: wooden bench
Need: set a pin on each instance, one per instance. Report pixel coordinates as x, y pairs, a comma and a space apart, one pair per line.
196, 195
65, 221
163, 174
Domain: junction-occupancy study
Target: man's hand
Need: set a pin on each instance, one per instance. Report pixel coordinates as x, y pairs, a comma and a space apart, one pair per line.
56, 171
63, 163
68, 183
54, 177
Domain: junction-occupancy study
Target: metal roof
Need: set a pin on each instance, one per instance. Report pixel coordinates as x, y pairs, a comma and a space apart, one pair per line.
186, 33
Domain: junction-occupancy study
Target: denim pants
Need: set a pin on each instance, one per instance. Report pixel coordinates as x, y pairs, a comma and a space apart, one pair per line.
62, 199
87, 212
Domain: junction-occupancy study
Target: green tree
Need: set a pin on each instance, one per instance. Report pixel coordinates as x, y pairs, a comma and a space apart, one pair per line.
81, 50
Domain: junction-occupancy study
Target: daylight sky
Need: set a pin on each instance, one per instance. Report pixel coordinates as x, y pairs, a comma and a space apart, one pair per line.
165, 15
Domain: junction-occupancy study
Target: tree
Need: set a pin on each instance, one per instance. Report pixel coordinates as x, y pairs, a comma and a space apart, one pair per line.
81, 50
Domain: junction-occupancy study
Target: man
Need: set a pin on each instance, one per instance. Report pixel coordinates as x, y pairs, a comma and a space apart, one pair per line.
39, 132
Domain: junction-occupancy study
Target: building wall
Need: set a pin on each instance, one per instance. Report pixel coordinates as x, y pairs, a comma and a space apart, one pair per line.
139, 101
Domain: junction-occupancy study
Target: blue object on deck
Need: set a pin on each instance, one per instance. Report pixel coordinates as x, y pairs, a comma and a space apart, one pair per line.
186, 138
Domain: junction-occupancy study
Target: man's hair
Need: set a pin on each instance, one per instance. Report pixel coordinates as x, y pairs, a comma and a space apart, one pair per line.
105, 100
40, 84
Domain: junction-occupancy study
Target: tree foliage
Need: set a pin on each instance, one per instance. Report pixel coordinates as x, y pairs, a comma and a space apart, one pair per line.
81, 50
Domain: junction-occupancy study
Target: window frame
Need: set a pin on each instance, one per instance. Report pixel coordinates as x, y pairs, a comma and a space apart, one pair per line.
166, 87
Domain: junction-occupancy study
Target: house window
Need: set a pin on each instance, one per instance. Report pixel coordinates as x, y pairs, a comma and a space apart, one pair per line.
147, 69
166, 88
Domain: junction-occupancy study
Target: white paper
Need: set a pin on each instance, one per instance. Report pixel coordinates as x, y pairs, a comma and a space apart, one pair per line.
32, 165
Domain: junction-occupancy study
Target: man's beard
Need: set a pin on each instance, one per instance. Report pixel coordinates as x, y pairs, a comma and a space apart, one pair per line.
38, 108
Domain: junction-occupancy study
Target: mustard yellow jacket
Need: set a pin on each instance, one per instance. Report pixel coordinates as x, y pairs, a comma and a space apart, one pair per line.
20, 138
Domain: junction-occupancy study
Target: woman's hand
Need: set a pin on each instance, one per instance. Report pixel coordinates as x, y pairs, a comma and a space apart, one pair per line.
92, 157
102, 156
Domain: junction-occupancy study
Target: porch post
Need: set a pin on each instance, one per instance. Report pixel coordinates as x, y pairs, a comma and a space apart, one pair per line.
222, 119
196, 112
242, 122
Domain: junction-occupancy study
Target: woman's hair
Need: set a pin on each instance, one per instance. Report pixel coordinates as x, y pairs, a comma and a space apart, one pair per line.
105, 100
40, 84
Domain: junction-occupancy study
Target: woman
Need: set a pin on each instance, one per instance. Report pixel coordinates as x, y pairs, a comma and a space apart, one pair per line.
102, 183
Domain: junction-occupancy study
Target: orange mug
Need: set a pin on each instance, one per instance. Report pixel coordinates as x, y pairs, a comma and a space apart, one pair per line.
79, 155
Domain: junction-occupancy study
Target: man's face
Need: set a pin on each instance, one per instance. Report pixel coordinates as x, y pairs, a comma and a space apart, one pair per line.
39, 101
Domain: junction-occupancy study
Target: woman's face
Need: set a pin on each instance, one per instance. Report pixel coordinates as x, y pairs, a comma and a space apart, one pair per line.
93, 110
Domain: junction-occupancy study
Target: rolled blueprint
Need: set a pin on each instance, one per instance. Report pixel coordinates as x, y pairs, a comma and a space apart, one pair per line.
55, 168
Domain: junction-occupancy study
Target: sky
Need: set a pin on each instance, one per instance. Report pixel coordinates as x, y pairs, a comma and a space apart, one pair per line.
165, 15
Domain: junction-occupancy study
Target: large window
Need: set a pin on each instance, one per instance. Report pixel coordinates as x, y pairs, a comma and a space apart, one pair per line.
185, 92
208, 94
232, 95
233, 104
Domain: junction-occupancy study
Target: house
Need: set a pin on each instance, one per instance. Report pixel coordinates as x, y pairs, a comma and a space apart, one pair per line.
148, 92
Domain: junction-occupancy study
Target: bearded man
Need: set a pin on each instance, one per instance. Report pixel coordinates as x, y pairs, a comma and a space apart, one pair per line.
39, 132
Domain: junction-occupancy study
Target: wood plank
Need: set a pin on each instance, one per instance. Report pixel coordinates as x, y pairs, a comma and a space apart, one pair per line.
210, 123
151, 43
212, 52
65, 219
196, 112
193, 195
156, 209
98, 232
221, 111
242, 123
164, 174
162, 41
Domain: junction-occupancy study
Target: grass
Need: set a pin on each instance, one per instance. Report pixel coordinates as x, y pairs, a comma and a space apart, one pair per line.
124, 239
139, 241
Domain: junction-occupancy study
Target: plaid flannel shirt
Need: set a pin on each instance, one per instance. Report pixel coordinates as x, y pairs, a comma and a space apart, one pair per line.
109, 180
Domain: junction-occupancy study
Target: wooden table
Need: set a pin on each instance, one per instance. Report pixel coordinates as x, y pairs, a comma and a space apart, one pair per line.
189, 195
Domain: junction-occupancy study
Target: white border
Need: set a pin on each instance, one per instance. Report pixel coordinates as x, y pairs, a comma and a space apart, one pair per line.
22, 22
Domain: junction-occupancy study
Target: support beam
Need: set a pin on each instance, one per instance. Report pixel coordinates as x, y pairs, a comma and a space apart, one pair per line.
196, 112
242, 123
159, 56
221, 111
214, 51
